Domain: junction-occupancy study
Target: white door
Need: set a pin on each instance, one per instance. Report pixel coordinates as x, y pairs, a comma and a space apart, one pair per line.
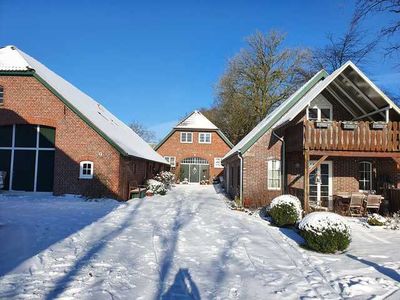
321, 185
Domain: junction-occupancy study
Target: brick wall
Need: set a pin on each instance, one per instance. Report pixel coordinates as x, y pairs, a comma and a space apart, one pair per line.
26, 100
173, 147
255, 189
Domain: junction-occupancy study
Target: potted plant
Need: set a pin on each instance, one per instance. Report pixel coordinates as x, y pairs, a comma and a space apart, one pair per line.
378, 125
350, 125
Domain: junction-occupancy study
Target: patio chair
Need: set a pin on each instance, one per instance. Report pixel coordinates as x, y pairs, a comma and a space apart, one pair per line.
135, 190
374, 202
356, 204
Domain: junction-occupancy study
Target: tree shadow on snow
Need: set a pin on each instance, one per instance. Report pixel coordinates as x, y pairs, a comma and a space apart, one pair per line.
183, 287
19, 242
381, 269
169, 243
62, 284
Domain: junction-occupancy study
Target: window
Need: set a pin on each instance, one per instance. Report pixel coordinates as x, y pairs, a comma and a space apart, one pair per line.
319, 114
1, 96
313, 114
186, 137
171, 160
365, 173
86, 170
320, 109
274, 174
205, 137
218, 162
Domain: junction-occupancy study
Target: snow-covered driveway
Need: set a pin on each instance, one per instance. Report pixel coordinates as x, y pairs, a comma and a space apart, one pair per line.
186, 245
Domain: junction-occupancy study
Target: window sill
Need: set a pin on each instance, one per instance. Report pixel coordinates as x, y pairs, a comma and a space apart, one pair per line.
85, 178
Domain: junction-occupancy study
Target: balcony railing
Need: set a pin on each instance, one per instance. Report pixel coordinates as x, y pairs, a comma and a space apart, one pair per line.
358, 136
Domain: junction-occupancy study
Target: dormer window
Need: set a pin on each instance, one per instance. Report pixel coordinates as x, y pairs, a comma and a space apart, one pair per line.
1, 95
320, 109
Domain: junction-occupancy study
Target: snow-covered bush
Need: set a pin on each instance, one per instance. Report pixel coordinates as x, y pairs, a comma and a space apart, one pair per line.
165, 177
394, 222
376, 220
156, 187
285, 210
325, 232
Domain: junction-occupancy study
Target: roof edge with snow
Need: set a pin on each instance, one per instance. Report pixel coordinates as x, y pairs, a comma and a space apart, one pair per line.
266, 124
17, 64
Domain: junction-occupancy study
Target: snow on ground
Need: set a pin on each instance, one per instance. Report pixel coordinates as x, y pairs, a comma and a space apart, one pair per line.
185, 245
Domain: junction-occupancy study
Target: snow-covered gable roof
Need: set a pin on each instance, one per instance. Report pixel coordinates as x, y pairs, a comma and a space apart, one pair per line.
100, 119
296, 103
274, 117
318, 88
196, 120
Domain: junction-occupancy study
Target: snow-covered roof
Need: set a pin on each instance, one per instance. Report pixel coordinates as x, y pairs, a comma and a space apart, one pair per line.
297, 102
273, 117
196, 120
99, 118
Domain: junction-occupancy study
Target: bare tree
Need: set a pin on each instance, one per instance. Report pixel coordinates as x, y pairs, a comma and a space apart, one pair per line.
145, 133
391, 30
351, 46
262, 74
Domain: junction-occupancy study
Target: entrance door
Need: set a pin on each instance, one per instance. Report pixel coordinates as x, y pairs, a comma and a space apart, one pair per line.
321, 185
194, 173
194, 169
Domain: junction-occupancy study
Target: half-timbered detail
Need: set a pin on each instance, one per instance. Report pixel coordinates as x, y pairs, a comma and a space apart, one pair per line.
338, 134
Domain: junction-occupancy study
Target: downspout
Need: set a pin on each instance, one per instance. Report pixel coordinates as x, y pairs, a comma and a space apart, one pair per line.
241, 178
283, 164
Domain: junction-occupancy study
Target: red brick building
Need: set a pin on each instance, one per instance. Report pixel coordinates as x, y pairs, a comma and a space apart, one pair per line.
195, 148
55, 138
337, 134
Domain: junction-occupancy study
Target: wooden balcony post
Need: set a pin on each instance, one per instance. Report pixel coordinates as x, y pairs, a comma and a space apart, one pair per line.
306, 181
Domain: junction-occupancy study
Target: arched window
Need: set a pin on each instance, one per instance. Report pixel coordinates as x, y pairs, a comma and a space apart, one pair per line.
1, 95
86, 170
365, 175
194, 160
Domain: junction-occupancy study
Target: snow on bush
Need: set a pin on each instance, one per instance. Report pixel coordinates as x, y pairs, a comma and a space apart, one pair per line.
165, 177
376, 220
285, 210
325, 232
156, 187
394, 223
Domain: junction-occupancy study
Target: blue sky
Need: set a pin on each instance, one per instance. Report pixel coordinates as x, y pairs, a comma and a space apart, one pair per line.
155, 61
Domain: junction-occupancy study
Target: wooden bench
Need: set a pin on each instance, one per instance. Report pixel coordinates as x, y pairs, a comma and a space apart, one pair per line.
135, 190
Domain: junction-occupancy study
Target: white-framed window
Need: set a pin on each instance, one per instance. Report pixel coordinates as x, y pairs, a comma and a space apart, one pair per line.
86, 170
320, 109
365, 175
204, 137
1, 95
274, 174
186, 137
171, 160
218, 162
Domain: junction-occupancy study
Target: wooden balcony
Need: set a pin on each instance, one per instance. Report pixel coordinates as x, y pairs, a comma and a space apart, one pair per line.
362, 138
